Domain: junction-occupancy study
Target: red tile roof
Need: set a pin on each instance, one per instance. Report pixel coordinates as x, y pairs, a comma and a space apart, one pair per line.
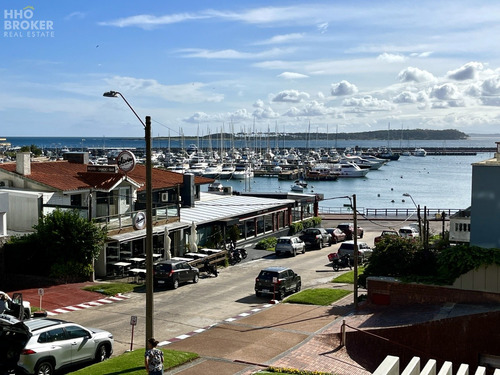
65, 176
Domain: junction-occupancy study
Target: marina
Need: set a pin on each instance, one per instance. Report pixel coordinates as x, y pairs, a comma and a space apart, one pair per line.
440, 179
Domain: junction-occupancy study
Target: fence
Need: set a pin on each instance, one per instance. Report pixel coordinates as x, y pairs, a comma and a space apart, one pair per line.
382, 213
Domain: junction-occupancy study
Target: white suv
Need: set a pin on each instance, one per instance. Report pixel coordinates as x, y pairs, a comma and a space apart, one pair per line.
43, 346
408, 232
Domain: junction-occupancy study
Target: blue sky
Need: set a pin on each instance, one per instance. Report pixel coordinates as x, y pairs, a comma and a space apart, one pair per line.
199, 67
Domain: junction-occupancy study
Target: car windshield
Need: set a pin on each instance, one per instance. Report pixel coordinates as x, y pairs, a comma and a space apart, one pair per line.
284, 240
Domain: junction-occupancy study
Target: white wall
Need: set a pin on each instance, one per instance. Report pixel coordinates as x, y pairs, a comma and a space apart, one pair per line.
24, 209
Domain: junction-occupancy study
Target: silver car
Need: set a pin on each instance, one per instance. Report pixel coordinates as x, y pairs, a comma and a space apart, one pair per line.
290, 244
43, 346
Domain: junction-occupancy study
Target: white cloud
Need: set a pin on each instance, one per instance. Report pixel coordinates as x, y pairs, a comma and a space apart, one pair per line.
368, 103
323, 27
391, 57
291, 96
184, 93
447, 91
343, 88
292, 75
75, 15
148, 22
281, 39
312, 108
491, 86
259, 104
412, 74
467, 71
406, 97
232, 54
265, 113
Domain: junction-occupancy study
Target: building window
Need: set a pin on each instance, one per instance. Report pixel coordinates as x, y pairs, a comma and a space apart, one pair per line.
76, 200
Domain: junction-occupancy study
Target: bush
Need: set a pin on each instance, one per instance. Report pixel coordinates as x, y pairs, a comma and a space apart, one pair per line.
299, 226
266, 243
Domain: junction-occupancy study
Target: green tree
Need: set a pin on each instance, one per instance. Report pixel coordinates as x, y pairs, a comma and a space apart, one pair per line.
63, 246
34, 149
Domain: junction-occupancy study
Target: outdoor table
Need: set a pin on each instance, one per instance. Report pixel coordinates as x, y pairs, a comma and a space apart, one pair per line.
121, 266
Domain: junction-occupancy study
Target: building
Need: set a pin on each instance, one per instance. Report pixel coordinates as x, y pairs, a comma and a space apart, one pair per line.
117, 200
460, 226
485, 209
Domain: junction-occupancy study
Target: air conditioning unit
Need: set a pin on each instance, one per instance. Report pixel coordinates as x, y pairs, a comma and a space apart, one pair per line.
228, 190
164, 197
5, 183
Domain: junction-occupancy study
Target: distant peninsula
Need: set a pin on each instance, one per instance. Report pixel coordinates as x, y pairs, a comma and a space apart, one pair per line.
388, 135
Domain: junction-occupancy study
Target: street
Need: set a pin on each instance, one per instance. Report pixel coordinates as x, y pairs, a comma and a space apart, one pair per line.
195, 306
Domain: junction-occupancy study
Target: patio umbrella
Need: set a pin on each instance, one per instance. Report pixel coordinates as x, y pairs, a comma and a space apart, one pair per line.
193, 238
167, 242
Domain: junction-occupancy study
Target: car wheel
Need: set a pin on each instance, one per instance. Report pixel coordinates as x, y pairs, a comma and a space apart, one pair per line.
175, 283
298, 287
280, 294
320, 244
304, 250
44, 368
196, 278
101, 353
258, 294
335, 240
294, 253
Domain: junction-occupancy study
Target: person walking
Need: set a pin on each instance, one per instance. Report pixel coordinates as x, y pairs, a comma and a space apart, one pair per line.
153, 358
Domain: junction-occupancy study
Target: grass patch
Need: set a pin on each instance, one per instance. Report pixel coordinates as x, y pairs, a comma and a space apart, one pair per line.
320, 296
112, 289
132, 363
348, 277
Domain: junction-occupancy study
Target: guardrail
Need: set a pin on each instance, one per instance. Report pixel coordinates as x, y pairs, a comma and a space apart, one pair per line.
430, 213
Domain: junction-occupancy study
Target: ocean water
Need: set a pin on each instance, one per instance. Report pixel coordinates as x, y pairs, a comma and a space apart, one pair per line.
437, 182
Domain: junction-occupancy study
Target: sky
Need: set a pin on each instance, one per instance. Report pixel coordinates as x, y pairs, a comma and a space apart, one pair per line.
202, 67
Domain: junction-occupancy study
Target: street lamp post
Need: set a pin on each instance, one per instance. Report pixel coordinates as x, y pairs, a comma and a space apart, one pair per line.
149, 216
418, 214
355, 240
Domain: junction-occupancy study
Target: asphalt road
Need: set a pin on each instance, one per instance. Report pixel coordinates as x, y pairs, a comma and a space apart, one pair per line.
195, 306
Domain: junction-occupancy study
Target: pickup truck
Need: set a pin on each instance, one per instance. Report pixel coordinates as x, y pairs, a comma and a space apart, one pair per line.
316, 237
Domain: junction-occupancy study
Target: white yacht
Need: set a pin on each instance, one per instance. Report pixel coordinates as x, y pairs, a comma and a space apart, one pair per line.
226, 171
242, 171
419, 152
349, 169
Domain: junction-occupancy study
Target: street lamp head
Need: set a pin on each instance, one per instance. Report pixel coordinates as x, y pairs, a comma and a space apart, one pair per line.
110, 94
406, 195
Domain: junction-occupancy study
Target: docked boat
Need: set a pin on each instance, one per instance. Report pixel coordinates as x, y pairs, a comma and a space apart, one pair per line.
349, 170
297, 188
419, 152
216, 187
226, 172
212, 171
242, 171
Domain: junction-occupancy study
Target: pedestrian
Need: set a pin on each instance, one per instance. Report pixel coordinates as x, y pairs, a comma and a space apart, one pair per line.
153, 358
4, 303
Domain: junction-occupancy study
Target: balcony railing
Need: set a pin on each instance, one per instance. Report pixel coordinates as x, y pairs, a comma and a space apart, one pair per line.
113, 222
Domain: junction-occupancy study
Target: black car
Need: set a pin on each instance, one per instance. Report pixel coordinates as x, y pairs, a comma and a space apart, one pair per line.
174, 272
277, 281
316, 237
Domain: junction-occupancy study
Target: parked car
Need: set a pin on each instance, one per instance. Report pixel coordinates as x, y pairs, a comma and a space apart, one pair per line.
278, 281
174, 272
385, 233
348, 229
336, 235
44, 346
290, 244
315, 237
364, 251
408, 232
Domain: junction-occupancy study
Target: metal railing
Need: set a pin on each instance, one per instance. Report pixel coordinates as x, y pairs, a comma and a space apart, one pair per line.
127, 220
431, 213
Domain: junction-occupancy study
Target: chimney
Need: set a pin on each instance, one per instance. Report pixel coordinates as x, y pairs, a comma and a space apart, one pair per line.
187, 190
23, 163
